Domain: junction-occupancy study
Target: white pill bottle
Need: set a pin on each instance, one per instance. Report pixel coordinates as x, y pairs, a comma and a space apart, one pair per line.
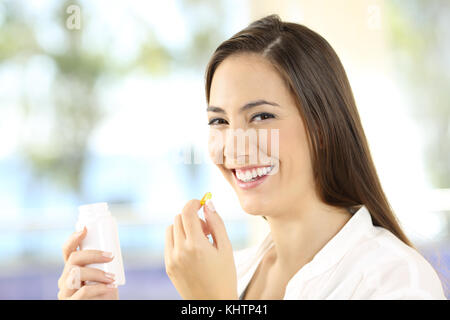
102, 234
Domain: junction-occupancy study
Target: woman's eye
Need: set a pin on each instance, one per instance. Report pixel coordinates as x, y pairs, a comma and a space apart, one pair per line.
217, 121
262, 116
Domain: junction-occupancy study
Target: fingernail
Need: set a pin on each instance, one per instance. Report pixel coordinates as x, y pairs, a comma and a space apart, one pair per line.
209, 205
107, 254
109, 275
111, 285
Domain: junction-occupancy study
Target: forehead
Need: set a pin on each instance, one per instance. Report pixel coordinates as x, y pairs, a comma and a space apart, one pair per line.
247, 77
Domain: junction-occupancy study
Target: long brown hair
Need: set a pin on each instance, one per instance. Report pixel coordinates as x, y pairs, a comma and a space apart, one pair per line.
344, 172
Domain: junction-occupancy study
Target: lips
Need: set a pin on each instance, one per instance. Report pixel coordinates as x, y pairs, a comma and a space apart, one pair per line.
250, 177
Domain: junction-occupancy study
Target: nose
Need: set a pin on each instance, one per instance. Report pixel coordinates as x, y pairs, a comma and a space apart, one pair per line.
241, 146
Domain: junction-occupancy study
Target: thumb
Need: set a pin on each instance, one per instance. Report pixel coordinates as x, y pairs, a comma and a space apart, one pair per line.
73, 242
216, 226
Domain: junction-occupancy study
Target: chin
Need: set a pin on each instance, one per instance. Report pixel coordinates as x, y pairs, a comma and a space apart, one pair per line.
254, 207
254, 187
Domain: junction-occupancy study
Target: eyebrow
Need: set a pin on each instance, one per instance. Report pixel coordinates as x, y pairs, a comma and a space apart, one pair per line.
246, 106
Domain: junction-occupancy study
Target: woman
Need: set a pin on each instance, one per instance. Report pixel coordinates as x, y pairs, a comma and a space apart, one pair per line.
332, 232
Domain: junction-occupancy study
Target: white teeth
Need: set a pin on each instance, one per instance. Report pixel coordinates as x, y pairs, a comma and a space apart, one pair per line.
259, 171
248, 175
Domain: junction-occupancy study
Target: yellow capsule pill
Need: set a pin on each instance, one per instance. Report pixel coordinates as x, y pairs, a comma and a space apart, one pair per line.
206, 197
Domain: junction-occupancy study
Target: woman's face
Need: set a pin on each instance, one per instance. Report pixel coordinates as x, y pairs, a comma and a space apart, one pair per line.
247, 98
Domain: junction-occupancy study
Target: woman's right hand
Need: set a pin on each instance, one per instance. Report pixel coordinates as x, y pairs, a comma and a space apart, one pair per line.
72, 285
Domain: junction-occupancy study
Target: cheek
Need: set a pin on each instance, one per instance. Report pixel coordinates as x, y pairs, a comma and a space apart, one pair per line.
294, 151
268, 147
215, 146
216, 149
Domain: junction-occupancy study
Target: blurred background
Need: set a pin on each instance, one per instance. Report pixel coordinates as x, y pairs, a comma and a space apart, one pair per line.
103, 101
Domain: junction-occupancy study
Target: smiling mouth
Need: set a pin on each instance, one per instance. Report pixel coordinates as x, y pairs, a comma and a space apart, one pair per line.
251, 177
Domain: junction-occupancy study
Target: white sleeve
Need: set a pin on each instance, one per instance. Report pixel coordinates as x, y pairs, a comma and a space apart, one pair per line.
400, 280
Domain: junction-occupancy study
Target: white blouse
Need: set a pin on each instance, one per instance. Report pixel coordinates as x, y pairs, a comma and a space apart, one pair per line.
361, 261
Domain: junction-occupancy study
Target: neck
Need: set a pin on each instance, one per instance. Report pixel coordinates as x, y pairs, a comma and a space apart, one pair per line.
298, 234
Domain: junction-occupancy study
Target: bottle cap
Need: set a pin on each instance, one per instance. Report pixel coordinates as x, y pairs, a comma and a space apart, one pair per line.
89, 211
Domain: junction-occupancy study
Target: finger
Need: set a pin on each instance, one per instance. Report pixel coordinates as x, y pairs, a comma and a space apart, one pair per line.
65, 293
191, 220
69, 281
216, 226
93, 291
73, 242
84, 257
178, 231
74, 278
110, 295
205, 227
97, 275
168, 245
207, 222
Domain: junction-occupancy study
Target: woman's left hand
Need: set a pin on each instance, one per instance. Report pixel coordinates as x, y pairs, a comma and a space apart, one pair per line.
198, 268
